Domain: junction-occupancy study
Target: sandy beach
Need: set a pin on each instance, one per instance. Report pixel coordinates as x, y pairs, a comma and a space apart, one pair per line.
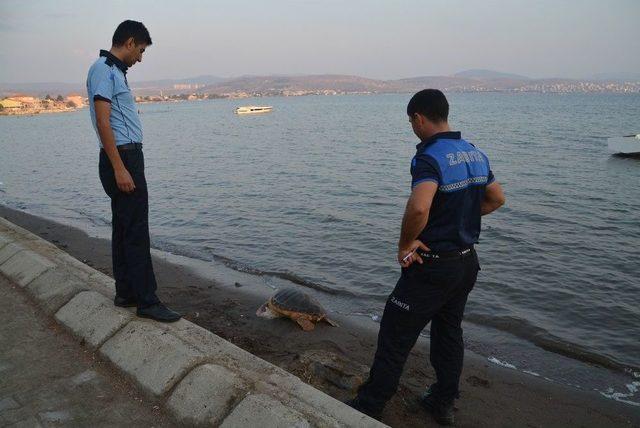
335, 360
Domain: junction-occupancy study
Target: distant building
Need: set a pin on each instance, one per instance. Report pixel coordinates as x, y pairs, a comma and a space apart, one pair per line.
10, 104
76, 99
187, 86
25, 99
47, 104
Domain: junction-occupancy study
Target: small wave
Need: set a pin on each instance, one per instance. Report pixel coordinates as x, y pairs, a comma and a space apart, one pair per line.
291, 277
373, 317
547, 341
494, 360
633, 387
331, 219
634, 374
295, 279
623, 397
287, 276
94, 220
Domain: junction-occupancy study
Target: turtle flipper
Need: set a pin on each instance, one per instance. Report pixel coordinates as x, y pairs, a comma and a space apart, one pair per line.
305, 323
330, 322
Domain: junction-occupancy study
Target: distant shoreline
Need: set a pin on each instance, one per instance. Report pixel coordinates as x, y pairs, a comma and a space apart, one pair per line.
28, 105
203, 97
36, 112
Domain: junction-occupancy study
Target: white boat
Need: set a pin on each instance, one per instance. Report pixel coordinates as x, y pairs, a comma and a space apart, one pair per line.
253, 109
628, 145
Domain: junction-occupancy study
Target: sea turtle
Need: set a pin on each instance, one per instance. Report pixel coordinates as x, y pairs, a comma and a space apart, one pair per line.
294, 304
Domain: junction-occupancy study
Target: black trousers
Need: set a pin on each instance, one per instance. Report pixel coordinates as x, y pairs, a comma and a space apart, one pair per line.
130, 244
435, 291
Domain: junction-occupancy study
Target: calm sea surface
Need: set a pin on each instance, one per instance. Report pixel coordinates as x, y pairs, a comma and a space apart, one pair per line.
313, 193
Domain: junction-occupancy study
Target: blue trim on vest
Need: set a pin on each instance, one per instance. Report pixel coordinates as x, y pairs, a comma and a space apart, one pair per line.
101, 98
111, 59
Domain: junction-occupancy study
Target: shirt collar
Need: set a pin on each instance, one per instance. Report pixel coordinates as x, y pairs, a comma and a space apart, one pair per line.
112, 59
450, 135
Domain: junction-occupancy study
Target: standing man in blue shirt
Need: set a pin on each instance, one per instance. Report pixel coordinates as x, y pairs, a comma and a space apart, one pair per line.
115, 118
452, 187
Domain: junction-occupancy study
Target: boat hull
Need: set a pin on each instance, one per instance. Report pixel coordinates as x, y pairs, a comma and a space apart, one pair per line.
625, 145
253, 110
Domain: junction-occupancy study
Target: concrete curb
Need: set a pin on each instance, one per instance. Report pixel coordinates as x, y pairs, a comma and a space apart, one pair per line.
92, 317
25, 266
263, 411
207, 394
203, 379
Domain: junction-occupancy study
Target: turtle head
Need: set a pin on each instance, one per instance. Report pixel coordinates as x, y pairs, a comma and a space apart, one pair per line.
265, 311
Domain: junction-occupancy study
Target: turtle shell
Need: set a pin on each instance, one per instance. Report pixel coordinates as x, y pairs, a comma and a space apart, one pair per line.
294, 300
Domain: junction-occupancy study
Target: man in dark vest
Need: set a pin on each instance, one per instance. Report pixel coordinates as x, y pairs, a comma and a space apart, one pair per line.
115, 119
452, 187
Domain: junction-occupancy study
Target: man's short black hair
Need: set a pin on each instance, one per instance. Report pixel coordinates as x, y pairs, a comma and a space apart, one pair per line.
431, 103
128, 29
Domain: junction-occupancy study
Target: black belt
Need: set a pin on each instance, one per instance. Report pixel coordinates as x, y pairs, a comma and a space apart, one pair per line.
458, 254
130, 146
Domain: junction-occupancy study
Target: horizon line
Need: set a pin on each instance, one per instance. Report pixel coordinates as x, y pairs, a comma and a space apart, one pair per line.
454, 75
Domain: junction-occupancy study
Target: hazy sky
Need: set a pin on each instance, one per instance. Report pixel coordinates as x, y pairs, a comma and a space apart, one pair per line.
58, 40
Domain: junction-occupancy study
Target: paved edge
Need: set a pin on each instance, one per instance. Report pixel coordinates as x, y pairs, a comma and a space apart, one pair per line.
203, 379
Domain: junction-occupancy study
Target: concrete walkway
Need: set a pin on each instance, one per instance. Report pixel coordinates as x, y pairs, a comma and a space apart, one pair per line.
49, 379
201, 379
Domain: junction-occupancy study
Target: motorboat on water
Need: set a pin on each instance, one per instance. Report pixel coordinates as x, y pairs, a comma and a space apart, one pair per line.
628, 145
253, 109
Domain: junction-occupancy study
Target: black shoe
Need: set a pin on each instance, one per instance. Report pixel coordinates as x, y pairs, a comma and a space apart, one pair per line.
441, 410
428, 399
356, 404
443, 413
123, 302
158, 312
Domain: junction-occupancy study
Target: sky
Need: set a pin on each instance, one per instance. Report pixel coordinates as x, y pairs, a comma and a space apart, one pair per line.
56, 41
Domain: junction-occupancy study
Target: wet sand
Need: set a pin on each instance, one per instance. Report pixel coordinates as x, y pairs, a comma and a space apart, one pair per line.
335, 360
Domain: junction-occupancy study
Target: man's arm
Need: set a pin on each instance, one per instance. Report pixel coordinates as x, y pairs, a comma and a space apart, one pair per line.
493, 198
414, 220
123, 178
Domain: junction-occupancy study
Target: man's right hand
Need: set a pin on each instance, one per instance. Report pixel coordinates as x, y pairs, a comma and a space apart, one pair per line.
407, 255
124, 181
103, 122
493, 198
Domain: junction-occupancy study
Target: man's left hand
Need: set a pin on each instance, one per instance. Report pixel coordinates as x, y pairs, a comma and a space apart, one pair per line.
408, 255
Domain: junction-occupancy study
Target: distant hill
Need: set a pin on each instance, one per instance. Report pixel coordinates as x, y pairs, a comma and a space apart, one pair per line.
498, 82
445, 83
165, 83
266, 84
151, 86
480, 74
174, 86
466, 81
630, 76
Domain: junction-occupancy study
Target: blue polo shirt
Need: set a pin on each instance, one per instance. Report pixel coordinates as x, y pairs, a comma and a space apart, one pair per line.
107, 81
462, 173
